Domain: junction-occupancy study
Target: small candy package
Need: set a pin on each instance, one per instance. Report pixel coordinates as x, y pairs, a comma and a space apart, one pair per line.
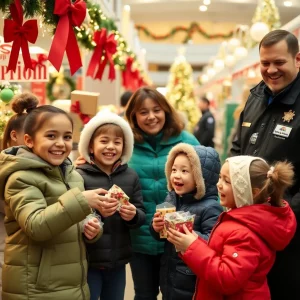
117, 193
176, 220
164, 208
90, 217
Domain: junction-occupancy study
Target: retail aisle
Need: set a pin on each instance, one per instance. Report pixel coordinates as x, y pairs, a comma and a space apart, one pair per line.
129, 291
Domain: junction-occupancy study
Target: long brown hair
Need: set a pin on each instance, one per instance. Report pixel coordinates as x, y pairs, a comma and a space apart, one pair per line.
271, 181
173, 124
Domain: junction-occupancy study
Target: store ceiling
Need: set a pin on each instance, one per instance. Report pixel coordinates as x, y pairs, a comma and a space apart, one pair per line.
236, 11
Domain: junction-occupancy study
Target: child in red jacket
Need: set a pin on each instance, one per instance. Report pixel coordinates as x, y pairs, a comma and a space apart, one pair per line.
234, 263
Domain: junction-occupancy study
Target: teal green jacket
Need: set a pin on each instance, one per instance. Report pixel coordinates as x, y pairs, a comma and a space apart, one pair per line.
150, 166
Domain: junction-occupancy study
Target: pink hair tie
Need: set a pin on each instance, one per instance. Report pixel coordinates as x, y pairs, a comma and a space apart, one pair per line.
270, 172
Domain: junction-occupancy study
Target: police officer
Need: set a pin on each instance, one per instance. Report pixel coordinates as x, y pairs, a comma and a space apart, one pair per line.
205, 129
269, 127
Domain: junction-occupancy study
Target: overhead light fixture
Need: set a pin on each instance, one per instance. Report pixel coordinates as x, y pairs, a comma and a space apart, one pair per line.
206, 2
203, 8
127, 7
287, 3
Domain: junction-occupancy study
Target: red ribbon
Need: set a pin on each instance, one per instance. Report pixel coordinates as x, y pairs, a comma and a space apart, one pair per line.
20, 34
41, 58
107, 46
126, 74
71, 14
75, 108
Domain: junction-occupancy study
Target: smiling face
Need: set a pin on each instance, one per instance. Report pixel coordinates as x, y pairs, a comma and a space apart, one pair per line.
150, 117
278, 67
53, 140
107, 146
225, 188
181, 177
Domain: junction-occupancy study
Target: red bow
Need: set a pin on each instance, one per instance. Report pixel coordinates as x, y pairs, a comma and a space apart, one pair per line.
131, 79
126, 74
75, 108
20, 34
106, 46
41, 58
71, 14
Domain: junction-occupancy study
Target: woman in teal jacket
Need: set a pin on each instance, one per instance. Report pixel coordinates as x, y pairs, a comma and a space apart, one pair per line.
157, 128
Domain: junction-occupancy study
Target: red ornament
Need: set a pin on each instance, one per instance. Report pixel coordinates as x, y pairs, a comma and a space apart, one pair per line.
71, 14
20, 34
107, 46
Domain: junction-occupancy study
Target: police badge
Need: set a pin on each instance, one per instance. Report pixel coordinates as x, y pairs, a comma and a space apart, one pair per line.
288, 116
253, 138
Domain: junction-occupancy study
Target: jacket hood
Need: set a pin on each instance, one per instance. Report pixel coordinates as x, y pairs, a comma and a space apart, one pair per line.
21, 158
205, 164
275, 225
100, 119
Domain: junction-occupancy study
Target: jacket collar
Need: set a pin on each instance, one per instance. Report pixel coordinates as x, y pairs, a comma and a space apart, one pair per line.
262, 90
160, 141
95, 169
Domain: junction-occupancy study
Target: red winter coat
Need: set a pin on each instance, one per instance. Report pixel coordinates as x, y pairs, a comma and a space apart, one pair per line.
240, 252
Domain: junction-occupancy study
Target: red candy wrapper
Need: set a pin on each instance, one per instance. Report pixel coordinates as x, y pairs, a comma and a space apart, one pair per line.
177, 219
117, 193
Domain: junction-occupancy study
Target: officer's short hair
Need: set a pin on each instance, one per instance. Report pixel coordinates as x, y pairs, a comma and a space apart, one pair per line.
279, 35
204, 99
125, 98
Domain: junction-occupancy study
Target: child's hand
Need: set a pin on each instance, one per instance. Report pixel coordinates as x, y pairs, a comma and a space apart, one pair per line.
93, 197
158, 222
108, 206
181, 240
127, 212
79, 161
92, 228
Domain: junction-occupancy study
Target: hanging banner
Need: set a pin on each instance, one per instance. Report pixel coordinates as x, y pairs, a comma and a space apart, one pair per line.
40, 72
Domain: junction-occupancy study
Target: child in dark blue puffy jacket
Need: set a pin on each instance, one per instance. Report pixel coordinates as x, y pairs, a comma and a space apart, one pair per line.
192, 173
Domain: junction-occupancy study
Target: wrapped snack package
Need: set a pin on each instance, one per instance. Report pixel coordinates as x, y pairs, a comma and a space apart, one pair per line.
176, 220
164, 208
89, 217
117, 193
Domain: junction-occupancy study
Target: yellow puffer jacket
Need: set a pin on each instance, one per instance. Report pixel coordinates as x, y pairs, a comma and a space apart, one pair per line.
44, 256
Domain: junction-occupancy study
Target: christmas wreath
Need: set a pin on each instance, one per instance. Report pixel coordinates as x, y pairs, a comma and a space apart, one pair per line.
53, 80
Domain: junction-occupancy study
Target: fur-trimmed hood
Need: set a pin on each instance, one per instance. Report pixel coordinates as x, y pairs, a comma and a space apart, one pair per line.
205, 164
100, 119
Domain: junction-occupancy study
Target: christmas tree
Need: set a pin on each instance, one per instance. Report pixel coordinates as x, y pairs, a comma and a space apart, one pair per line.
180, 90
267, 12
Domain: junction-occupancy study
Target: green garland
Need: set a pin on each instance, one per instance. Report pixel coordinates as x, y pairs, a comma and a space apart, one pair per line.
51, 83
4, 5
190, 30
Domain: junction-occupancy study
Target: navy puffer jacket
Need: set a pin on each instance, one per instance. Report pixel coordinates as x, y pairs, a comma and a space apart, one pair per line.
177, 281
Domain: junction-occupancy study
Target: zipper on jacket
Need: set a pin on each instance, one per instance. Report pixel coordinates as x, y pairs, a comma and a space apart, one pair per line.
115, 230
64, 180
81, 263
79, 240
216, 225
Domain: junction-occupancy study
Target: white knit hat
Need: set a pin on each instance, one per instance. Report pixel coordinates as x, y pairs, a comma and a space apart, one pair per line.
240, 179
106, 118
